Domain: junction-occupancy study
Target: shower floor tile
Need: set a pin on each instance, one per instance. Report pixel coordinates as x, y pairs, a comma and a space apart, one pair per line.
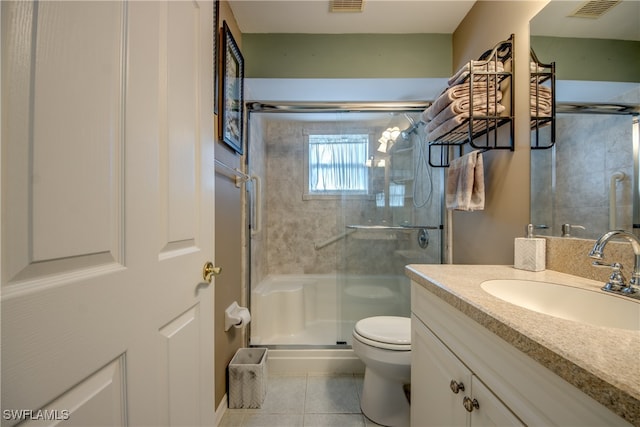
305, 401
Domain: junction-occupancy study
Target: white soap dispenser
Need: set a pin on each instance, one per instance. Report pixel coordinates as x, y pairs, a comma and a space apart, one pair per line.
529, 252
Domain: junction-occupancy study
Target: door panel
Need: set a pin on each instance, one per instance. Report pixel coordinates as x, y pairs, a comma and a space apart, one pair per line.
180, 151
97, 401
107, 211
66, 215
180, 368
76, 113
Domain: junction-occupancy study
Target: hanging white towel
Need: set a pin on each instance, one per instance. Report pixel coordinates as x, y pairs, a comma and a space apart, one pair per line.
465, 183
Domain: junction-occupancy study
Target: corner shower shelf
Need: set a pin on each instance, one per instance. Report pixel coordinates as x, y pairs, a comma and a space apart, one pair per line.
542, 74
480, 131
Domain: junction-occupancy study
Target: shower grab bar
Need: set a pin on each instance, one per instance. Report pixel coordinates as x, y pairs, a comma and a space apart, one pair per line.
239, 178
256, 225
237, 174
332, 239
394, 227
613, 212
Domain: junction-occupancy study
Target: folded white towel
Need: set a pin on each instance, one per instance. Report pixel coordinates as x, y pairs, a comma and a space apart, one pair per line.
457, 92
446, 127
541, 91
535, 68
540, 104
481, 106
465, 183
456, 120
464, 71
541, 109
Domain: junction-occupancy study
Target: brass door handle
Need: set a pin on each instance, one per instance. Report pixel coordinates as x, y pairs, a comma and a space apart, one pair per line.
208, 271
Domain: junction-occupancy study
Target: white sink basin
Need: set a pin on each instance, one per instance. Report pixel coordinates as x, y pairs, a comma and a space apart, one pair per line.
582, 305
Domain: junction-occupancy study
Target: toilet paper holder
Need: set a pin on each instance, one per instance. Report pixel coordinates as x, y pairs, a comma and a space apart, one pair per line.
236, 316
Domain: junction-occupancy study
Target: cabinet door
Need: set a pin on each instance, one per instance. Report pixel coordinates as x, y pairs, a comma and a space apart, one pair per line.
433, 368
491, 411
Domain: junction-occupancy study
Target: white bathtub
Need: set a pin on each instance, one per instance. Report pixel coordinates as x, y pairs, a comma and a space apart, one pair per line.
320, 310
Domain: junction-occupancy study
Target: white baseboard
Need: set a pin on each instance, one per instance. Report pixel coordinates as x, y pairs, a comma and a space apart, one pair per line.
221, 409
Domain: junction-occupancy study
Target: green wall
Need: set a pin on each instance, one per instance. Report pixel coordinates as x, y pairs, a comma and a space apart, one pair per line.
347, 55
421, 56
590, 59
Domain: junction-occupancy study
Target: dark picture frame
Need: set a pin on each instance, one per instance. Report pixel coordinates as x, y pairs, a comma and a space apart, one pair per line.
232, 117
216, 54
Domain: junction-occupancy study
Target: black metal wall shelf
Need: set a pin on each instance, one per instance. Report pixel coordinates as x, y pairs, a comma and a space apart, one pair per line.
542, 91
491, 74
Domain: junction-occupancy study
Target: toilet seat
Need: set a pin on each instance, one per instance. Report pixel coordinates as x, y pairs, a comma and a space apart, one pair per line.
385, 332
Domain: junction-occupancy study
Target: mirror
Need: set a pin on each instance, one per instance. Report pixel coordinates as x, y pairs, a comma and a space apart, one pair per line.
589, 178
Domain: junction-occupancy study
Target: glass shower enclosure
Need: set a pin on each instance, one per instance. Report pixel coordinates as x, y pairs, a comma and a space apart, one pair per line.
340, 201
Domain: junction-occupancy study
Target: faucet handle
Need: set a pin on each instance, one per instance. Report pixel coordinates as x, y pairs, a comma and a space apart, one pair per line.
616, 279
633, 288
615, 265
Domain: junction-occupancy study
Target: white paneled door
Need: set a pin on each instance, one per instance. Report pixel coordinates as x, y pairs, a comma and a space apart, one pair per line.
107, 213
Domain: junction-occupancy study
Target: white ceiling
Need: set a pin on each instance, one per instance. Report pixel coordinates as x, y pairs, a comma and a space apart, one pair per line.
378, 16
422, 16
620, 22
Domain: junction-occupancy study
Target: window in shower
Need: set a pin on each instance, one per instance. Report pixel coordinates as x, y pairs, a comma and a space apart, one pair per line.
336, 164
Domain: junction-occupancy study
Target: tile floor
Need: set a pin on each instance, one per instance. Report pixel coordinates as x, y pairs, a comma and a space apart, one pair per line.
306, 400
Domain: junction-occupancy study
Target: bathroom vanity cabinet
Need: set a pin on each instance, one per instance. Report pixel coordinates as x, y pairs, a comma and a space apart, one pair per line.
502, 385
452, 395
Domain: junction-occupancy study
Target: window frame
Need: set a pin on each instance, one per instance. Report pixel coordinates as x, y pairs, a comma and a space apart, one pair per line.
338, 194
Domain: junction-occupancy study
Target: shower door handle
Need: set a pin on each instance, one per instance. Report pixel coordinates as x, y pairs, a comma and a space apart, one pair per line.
208, 271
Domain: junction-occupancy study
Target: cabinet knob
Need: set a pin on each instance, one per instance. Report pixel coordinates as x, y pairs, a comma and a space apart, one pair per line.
470, 404
456, 386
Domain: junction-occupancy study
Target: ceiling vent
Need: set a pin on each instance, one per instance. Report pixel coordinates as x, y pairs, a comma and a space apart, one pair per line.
594, 9
346, 5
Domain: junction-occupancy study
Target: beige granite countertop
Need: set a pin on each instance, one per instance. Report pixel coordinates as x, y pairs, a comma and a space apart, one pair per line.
602, 362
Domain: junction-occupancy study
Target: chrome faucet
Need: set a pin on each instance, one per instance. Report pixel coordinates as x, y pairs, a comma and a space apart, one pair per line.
616, 281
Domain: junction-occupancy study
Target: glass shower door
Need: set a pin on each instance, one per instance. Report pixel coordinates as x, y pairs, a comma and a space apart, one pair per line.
401, 225
328, 247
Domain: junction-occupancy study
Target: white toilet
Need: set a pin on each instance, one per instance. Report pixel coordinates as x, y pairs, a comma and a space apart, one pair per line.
383, 343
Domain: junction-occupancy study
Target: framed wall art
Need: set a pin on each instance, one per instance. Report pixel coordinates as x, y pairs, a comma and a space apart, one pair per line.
232, 114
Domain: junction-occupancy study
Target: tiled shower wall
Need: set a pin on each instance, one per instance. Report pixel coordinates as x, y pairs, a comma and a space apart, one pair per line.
589, 150
257, 154
292, 226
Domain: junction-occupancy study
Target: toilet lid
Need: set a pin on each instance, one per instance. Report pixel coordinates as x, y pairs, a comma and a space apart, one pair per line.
386, 329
